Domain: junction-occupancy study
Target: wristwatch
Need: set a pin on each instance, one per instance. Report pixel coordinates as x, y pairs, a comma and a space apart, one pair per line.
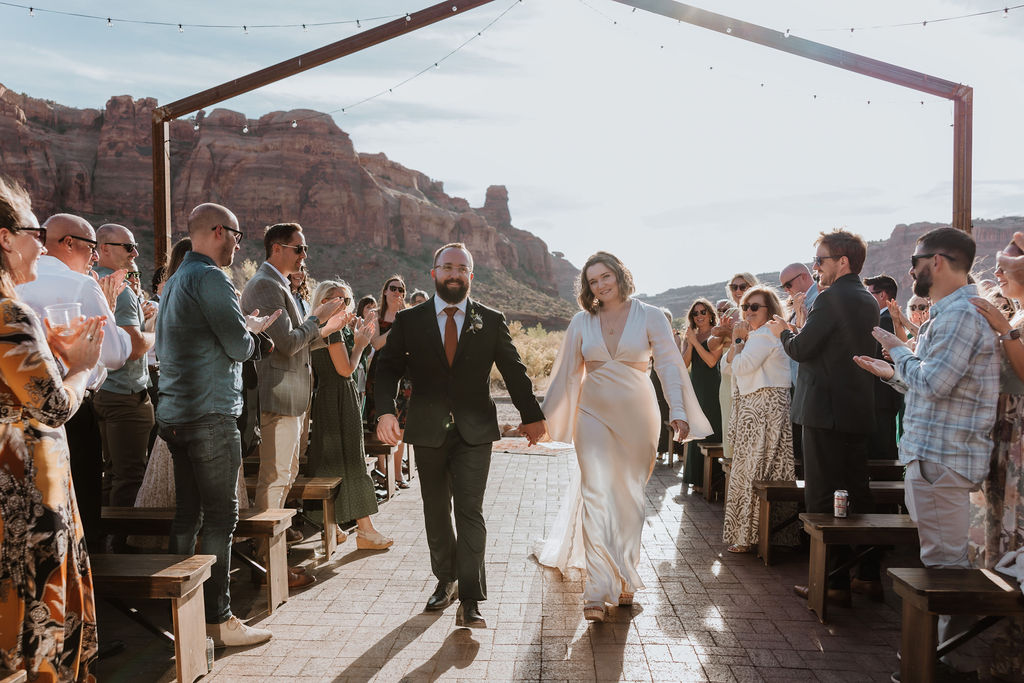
1012, 334
739, 340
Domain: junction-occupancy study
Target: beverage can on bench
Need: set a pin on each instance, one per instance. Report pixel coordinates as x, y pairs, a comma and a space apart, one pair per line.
840, 503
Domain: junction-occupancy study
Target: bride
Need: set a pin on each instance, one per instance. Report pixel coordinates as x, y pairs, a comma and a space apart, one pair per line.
601, 398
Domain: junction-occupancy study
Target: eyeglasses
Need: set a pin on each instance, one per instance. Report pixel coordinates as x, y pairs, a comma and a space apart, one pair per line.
40, 233
128, 246
1007, 308
396, 288
919, 307
755, 307
92, 243
448, 269
818, 260
237, 234
133, 274
702, 311
789, 283
917, 257
742, 287
723, 310
299, 248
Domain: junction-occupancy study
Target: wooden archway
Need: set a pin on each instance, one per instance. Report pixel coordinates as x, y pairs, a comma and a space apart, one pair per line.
961, 95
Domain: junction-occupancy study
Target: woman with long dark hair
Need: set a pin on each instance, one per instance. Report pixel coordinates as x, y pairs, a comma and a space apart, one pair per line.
702, 358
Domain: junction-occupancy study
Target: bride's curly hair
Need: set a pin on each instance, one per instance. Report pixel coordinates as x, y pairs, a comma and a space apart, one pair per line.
588, 302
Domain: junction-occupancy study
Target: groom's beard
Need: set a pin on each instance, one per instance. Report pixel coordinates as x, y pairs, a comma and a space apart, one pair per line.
452, 290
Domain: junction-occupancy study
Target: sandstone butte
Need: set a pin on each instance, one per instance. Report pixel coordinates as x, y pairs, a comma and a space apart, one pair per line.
367, 216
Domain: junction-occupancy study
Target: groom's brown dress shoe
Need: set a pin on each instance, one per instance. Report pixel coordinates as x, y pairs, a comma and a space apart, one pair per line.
442, 596
835, 596
469, 615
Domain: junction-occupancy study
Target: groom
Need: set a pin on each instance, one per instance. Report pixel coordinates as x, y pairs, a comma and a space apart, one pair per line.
446, 347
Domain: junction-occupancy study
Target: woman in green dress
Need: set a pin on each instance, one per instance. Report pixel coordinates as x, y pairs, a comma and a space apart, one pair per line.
702, 360
336, 448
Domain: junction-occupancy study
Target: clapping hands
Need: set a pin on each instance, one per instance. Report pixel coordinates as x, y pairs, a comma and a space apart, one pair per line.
257, 324
365, 329
777, 324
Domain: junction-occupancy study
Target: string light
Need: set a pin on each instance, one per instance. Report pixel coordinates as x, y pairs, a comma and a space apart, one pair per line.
1005, 10
295, 124
245, 128
174, 24
180, 29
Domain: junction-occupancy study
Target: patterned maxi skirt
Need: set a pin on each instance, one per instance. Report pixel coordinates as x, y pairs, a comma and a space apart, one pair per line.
762, 448
997, 527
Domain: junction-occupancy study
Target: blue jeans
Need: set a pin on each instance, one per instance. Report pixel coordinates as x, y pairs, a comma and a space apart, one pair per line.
207, 454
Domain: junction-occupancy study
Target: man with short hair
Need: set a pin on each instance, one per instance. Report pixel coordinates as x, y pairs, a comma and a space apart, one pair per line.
122, 404
202, 341
834, 402
951, 385
449, 345
799, 284
64, 276
286, 381
888, 401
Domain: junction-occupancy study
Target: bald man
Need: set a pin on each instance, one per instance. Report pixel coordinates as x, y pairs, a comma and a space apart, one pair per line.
202, 341
799, 284
64, 277
122, 404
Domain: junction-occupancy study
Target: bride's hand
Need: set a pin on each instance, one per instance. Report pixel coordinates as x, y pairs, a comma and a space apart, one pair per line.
681, 428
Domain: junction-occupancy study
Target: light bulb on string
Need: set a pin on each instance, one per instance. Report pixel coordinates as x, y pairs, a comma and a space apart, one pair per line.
437, 65
295, 124
1006, 13
305, 29
728, 29
245, 128
408, 17
110, 24
180, 29
245, 30
787, 33
358, 25
31, 11
195, 124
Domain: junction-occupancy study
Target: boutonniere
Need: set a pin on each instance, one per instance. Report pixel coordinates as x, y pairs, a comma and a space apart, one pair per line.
476, 322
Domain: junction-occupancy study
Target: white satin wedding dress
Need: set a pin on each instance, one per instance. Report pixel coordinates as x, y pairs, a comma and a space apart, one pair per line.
611, 415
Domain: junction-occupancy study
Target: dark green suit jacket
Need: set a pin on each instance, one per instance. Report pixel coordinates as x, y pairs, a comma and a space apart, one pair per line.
415, 350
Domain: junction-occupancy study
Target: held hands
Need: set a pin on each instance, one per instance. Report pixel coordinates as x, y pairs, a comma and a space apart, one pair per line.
388, 430
79, 350
995, 318
682, 429
256, 324
535, 432
777, 324
876, 366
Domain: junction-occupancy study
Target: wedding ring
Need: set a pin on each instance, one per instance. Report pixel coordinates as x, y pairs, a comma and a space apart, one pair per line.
89, 337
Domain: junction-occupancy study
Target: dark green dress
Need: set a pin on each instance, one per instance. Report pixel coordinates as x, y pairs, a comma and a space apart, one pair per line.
705, 384
336, 445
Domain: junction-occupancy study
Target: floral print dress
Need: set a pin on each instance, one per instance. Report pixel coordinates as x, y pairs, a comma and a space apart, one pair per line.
47, 611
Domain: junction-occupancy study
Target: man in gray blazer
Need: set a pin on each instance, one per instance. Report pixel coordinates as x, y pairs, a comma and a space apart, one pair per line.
285, 378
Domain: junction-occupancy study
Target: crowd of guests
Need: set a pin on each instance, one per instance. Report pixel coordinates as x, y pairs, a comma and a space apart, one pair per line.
831, 372
153, 399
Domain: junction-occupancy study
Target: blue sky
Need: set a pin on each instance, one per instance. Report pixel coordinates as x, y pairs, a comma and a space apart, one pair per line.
612, 129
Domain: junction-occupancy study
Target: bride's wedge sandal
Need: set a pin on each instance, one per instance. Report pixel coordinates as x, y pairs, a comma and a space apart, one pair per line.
625, 597
594, 612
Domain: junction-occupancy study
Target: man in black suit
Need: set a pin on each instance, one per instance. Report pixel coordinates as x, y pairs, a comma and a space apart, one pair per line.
888, 401
833, 403
446, 347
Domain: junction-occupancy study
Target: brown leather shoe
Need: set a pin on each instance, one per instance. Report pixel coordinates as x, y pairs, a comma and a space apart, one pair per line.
296, 580
835, 596
871, 589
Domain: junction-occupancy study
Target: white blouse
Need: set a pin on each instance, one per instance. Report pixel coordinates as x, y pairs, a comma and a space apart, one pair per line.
762, 363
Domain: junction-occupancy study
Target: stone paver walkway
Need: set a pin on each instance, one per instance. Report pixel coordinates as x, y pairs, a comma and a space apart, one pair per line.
705, 615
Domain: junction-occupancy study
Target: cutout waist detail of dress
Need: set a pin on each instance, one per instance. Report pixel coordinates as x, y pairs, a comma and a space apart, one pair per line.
594, 365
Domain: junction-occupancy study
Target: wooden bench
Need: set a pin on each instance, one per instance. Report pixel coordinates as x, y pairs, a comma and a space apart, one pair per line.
768, 492
886, 470
324, 489
19, 676
251, 465
376, 448
264, 524
711, 452
826, 530
178, 578
928, 593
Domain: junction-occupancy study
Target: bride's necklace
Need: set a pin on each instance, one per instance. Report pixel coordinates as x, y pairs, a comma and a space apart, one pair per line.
613, 326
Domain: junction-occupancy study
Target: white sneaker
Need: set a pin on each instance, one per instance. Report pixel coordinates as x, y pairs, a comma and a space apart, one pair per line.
233, 633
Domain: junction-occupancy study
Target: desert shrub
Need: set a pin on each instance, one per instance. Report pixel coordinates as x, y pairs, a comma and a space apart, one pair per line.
538, 348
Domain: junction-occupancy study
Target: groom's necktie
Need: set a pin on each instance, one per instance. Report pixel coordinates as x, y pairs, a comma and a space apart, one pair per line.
451, 334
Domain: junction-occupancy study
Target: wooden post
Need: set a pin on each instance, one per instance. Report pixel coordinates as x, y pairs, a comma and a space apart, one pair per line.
961, 95
161, 189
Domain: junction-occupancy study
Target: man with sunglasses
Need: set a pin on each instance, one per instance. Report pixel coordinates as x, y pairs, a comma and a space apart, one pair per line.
123, 406
285, 377
64, 277
888, 401
834, 402
799, 284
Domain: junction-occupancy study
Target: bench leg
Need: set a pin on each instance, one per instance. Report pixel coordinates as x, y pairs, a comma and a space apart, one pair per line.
817, 579
918, 642
708, 460
764, 532
330, 533
189, 635
391, 473
277, 572
412, 461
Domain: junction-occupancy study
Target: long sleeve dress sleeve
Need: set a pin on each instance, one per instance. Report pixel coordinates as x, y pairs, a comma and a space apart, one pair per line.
675, 380
563, 393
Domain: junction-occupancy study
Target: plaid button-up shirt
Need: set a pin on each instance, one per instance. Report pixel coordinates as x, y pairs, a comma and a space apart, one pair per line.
951, 384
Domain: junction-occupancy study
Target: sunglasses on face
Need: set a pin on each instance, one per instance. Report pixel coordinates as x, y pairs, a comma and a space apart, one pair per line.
818, 260
237, 234
755, 307
702, 311
742, 287
39, 233
917, 257
789, 283
299, 248
92, 243
919, 307
128, 246
133, 274
396, 288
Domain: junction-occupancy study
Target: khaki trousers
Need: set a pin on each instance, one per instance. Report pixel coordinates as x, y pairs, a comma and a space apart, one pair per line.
279, 458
